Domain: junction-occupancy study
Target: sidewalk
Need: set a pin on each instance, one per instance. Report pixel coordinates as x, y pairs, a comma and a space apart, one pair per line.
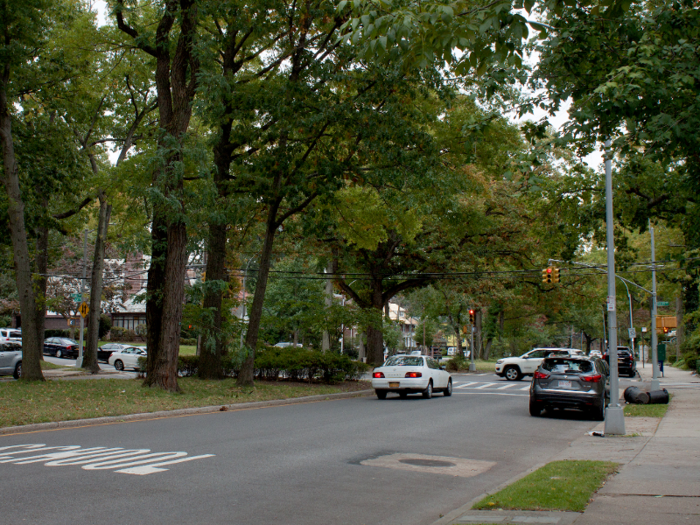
659, 477
661, 484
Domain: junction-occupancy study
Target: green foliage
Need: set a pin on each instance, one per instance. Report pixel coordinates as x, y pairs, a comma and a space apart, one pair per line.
118, 333
105, 325
299, 364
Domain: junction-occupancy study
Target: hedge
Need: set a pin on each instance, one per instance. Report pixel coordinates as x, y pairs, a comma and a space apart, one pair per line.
272, 363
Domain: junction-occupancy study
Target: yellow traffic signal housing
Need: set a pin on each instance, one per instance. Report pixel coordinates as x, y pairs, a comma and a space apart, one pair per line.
472, 316
555, 275
547, 275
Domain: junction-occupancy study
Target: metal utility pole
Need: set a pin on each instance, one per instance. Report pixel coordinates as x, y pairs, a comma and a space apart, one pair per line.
472, 365
654, 336
614, 415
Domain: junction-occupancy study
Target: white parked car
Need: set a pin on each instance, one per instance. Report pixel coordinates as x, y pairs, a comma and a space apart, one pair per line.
515, 368
10, 335
411, 374
127, 357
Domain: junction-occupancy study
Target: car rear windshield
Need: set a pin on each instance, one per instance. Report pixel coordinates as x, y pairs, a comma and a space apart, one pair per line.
562, 365
402, 360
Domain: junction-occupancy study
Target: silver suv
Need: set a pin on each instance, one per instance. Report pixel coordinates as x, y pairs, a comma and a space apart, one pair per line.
11, 359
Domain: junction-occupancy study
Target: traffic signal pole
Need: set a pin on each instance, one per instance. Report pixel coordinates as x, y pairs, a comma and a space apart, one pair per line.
614, 415
79, 361
654, 336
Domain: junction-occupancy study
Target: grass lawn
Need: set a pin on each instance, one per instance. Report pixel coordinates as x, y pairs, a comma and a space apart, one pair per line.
645, 410
560, 485
25, 403
45, 365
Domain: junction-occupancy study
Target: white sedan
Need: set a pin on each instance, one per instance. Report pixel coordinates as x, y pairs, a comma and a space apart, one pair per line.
127, 357
411, 374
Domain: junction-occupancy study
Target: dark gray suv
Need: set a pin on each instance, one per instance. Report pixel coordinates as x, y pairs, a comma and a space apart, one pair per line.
11, 359
571, 382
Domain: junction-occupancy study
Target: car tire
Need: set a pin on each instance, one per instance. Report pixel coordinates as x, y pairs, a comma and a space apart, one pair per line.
512, 373
59, 354
448, 391
119, 365
18, 371
428, 392
535, 408
381, 394
633, 373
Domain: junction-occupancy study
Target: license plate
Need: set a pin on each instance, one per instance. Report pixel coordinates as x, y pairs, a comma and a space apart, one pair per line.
394, 385
564, 384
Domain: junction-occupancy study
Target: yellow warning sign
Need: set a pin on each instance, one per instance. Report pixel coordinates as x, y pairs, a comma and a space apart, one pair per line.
84, 309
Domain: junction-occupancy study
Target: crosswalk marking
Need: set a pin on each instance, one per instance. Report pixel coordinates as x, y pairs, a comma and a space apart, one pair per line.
483, 385
465, 385
506, 386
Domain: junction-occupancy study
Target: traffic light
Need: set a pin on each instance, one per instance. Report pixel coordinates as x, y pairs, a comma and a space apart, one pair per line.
555, 275
472, 316
547, 275
204, 276
665, 329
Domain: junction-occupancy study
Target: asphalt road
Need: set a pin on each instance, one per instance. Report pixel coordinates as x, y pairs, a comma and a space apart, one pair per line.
309, 464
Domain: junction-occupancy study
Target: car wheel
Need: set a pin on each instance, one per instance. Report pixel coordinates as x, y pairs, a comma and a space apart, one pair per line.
633, 373
428, 392
512, 373
381, 394
448, 391
119, 365
535, 408
18, 371
59, 354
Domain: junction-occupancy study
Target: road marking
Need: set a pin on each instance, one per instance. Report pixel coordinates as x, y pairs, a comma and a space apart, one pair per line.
482, 386
140, 462
523, 389
487, 393
466, 385
505, 386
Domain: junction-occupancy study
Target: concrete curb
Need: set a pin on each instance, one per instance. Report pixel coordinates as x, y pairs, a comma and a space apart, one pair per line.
107, 420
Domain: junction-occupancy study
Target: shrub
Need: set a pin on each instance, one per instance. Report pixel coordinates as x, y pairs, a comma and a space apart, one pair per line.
105, 325
117, 333
301, 364
57, 333
671, 358
187, 365
190, 341
456, 364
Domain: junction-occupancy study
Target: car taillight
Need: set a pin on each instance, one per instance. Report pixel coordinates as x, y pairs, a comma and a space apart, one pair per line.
414, 374
541, 375
592, 379
378, 375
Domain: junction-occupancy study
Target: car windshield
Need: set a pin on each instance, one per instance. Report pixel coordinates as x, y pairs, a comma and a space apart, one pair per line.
561, 365
404, 360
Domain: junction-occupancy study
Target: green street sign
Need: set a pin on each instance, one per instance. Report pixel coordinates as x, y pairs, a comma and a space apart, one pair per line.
662, 303
78, 298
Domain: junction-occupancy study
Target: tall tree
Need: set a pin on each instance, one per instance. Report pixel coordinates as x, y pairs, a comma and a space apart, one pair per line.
172, 45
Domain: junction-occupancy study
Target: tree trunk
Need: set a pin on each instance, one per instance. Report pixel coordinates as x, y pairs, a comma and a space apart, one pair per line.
213, 341
42, 268
478, 335
375, 336
680, 330
31, 351
93, 331
247, 372
487, 348
458, 336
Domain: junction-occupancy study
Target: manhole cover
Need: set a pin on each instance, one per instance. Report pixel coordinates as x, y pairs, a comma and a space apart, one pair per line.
427, 462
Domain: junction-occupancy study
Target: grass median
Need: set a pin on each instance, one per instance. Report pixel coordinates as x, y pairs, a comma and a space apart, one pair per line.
645, 410
25, 403
560, 485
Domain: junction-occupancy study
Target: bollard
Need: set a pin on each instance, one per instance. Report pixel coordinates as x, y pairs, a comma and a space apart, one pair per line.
634, 395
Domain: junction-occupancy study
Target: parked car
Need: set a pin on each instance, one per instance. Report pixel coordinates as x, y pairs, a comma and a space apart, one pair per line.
127, 357
571, 382
11, 359
285, 344
411, 374
595, 353
515, 368
105, 351
61, 347
10, 334
625, 361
